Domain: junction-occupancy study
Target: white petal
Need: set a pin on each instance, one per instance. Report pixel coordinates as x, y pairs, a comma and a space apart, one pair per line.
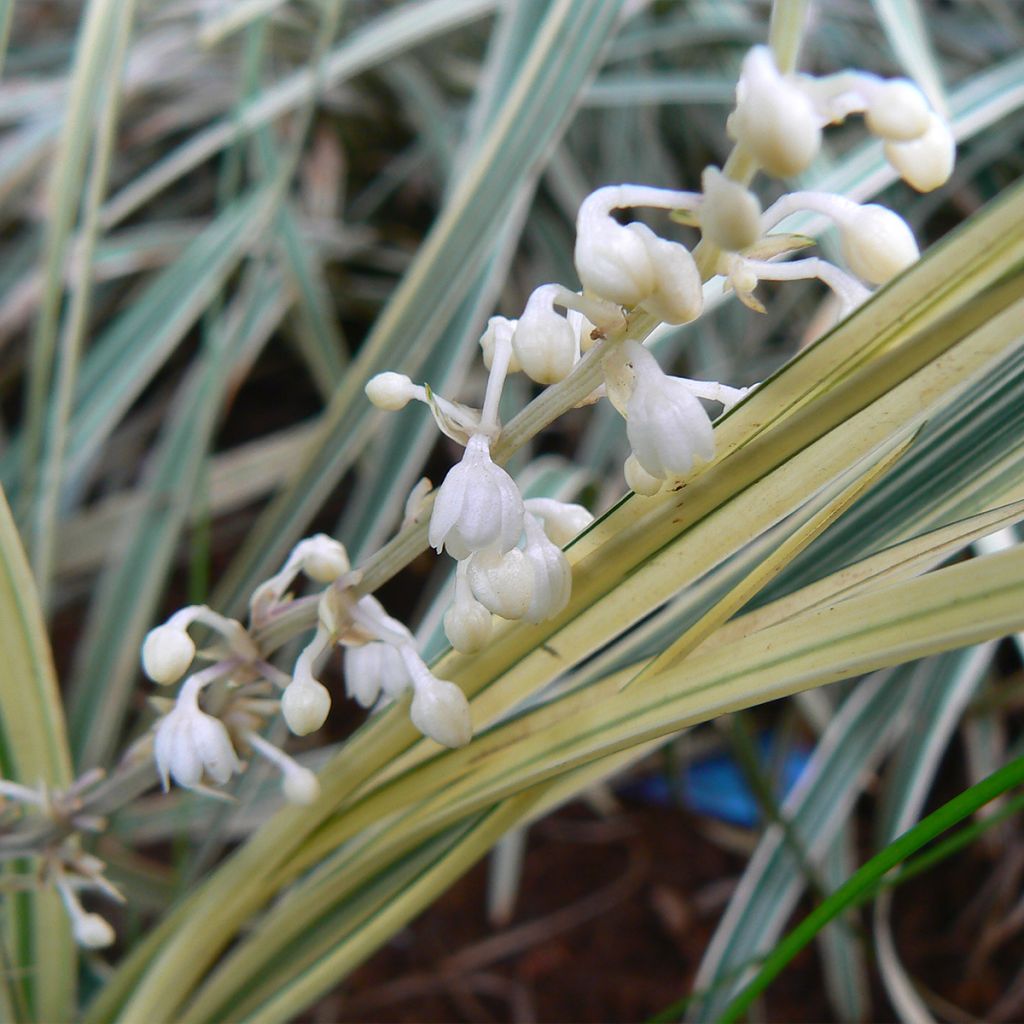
186, 763
447, 505
214, 748
552, 575
362, 674
163, 747
502, 583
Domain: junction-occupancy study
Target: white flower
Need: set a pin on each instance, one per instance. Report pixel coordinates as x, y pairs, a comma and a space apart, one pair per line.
897, 111
168, 650
324, 559
467, 623
926, 162
544, 343
502, 582
91, 931
877, 243
552, 576
440, 710
665, 423
730, 216
773, 119
190, 742
305, 704
478, 506
676, 295
629, 264
562, 520
499, 329
373, 669
167, 653
390, 391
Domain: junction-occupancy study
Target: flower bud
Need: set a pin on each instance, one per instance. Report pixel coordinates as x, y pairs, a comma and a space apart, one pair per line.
544, 342
92, 931
926, 162
897, 111
300, 785
440, 710
326, 559
502, 583
612, 261
499, 327
562, 520
773, 118
477, 506
167, 653
730, 216
552, 576
389, 391
877, 243
666, 425
677, 295
305, 704
638, 479
467, 624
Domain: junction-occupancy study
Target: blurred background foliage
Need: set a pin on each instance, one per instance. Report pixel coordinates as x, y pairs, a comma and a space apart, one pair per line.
219, 218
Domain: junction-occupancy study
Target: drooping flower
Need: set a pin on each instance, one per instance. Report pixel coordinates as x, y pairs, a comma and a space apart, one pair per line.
774, 119
545, 345
439, 708
666, 425
298, 783
629, 264
926, 162
478, 505
467, 623
167, 653
189, 743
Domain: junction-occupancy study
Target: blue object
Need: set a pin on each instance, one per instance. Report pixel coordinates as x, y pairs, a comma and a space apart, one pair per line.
715, 785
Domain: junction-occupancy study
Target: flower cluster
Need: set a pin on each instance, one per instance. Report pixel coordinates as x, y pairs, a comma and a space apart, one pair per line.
779, 119
197, 744
508, 548
65, 865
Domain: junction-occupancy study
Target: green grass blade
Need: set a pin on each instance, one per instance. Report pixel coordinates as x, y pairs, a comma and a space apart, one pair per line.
861, 885
390, 34
33, 751
92, 54
125, 357
74, 327
954, 682
6, 15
